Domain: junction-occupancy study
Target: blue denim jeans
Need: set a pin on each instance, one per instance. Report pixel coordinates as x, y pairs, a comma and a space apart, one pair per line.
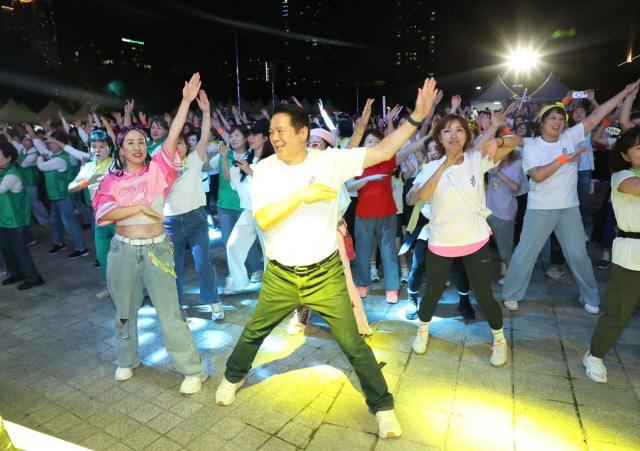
130, 269
368, 231
63, 218
37, 207
227, 219
192, 228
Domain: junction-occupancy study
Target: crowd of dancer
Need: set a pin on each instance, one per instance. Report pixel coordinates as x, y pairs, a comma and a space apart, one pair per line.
314, 208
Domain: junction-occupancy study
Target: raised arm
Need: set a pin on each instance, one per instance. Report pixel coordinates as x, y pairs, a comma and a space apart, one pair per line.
392, 142
410, 149
361, 127
601, 111
541, 173
205, 130
189, 92
625, 113
128, 111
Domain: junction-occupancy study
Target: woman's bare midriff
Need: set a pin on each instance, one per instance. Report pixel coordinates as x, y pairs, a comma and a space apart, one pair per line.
140, 230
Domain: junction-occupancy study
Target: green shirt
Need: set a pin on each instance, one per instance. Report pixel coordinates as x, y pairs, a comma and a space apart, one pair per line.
227, 196
30, 175
56, 182
15, 208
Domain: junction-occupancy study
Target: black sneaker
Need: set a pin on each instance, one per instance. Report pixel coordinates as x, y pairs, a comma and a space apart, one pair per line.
57, 248
464, 307
11, 280
96, 264
30, 284
76, 254
603, 264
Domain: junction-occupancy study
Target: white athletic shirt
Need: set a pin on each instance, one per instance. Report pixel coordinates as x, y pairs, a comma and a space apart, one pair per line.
626, 251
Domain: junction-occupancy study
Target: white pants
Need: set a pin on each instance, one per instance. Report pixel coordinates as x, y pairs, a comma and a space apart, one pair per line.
242, 237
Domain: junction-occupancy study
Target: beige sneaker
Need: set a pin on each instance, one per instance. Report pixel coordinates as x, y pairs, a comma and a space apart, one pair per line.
499, 353
226, 393
388, 426
421, 340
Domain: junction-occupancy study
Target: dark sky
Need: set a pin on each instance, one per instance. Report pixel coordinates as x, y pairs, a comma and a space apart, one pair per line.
472, 38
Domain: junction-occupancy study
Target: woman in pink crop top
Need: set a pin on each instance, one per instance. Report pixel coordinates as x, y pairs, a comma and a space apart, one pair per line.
141, 256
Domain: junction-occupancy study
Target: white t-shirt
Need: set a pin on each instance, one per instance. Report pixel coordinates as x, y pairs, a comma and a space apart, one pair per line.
458, 204
586, 162
422, 178
626, 251
308, 235
561, 189
186, 193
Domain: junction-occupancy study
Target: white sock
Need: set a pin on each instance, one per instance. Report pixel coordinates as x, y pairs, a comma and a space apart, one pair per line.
373, 265
460, 293
498, 335
424, 326
606, 255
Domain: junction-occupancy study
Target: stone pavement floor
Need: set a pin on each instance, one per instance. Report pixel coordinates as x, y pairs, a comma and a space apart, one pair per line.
57, 362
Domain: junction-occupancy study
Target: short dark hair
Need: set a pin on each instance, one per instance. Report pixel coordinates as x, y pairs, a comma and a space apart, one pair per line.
61, 136
485, 112
345, 127
372, 131
9, 151
296, 115
626, 141
160, 121
445, 121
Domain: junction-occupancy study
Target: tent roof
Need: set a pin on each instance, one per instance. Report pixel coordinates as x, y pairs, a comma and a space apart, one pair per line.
13, 112
51, 111
551, 89
496, 92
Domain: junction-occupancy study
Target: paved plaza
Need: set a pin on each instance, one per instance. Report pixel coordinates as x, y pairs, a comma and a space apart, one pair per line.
57, 362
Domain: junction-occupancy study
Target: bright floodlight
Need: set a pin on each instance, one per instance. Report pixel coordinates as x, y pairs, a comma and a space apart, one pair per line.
522, 60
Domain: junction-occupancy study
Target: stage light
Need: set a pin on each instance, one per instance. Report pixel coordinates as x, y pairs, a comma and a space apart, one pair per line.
522, 60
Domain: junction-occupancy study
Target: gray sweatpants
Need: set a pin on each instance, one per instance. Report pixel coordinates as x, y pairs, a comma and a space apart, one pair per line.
538, 225
129, 270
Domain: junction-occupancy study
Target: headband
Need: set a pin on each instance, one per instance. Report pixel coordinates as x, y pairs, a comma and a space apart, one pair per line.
124, 130
559, 105
98, 135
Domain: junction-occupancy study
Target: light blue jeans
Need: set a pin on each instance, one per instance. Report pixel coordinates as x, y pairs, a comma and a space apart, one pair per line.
367, 230
192, 228
129, 270
63, 218
37, 207
538, 225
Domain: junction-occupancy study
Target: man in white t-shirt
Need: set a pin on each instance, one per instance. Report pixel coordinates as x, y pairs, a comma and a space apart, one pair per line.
551, 160
295, 202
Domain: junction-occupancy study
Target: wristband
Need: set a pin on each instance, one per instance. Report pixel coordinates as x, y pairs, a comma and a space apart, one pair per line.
414, 122
562, 159
83, 184
606, 122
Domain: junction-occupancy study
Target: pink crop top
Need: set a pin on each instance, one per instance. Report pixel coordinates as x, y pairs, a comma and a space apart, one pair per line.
148, 187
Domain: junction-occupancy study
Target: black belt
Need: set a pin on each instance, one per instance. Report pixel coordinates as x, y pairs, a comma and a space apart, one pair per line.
623, 234
304, 270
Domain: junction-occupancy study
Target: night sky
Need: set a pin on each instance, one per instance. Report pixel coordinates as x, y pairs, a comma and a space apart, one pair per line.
472, 40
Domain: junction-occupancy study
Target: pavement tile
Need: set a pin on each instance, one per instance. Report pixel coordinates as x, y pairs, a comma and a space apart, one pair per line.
536, 439
607, 397
296, 434
475, 434
185, 432
250, 439
122, 428
330, 438
62, 423
620, 428
542, 386
164, 422
99, 441
276, 444
207, 441
140, 438
228, 428
163, 444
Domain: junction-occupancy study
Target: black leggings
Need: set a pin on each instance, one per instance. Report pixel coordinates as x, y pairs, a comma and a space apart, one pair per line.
478, 269
457, 273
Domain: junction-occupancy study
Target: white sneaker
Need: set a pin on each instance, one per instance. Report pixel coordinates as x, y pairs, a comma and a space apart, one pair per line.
295, 327
123, 374
256, 277
226, 393
104, 294
499, 353
217, 314
192, 384
593, 309
229, 286
373, 274
511, 305
422, 338
554, 272
388, 426
404, 274
595, 369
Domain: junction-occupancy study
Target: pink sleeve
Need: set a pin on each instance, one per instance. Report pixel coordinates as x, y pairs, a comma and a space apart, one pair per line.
168, 168
104, 202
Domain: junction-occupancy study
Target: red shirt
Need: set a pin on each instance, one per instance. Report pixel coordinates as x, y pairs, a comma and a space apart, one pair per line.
375, 199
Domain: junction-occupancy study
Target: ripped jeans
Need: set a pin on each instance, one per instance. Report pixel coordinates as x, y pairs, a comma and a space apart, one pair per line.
132, 267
